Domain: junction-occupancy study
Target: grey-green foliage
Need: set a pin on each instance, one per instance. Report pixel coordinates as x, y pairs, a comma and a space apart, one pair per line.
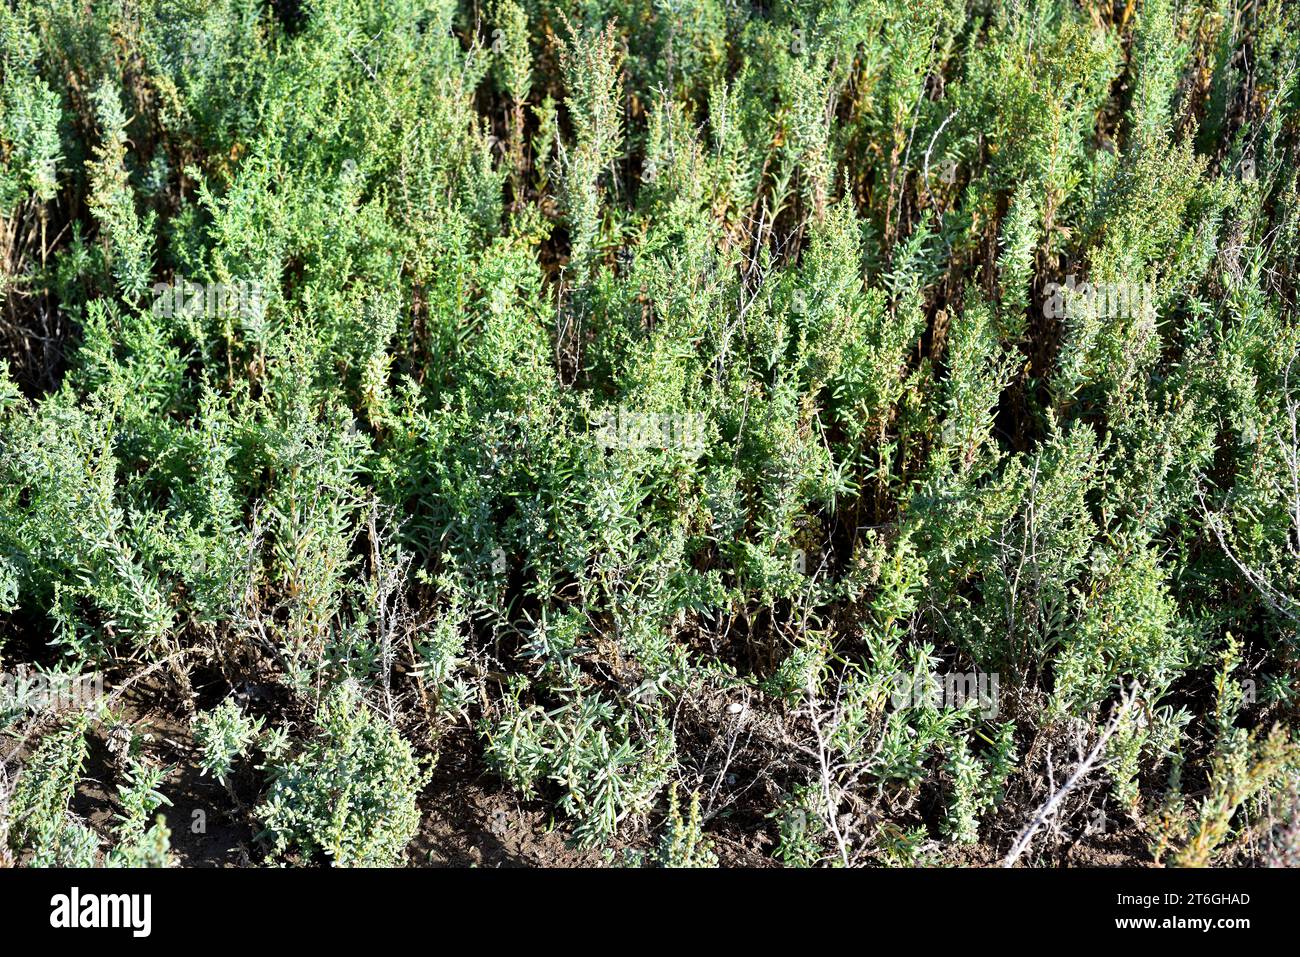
603, 770
690, 351
43, 830
150, 848
38, 815
30, 114
349, 792
594, 90
223, 735
112, 200
137, 842
977, 785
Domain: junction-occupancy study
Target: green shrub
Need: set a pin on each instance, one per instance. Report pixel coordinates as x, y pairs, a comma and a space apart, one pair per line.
38, 807
586, 748
224, 735
561, 375
683, 843
350, 793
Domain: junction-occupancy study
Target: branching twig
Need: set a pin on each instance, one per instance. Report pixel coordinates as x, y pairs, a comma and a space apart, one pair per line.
1054, 802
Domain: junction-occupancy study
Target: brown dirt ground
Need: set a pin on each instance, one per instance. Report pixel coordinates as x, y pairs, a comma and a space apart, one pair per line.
468, 818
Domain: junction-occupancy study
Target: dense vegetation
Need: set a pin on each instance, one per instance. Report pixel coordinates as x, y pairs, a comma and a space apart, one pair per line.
824, 432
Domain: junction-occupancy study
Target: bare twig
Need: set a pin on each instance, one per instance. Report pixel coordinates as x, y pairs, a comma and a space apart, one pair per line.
832, 806
1053, 803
